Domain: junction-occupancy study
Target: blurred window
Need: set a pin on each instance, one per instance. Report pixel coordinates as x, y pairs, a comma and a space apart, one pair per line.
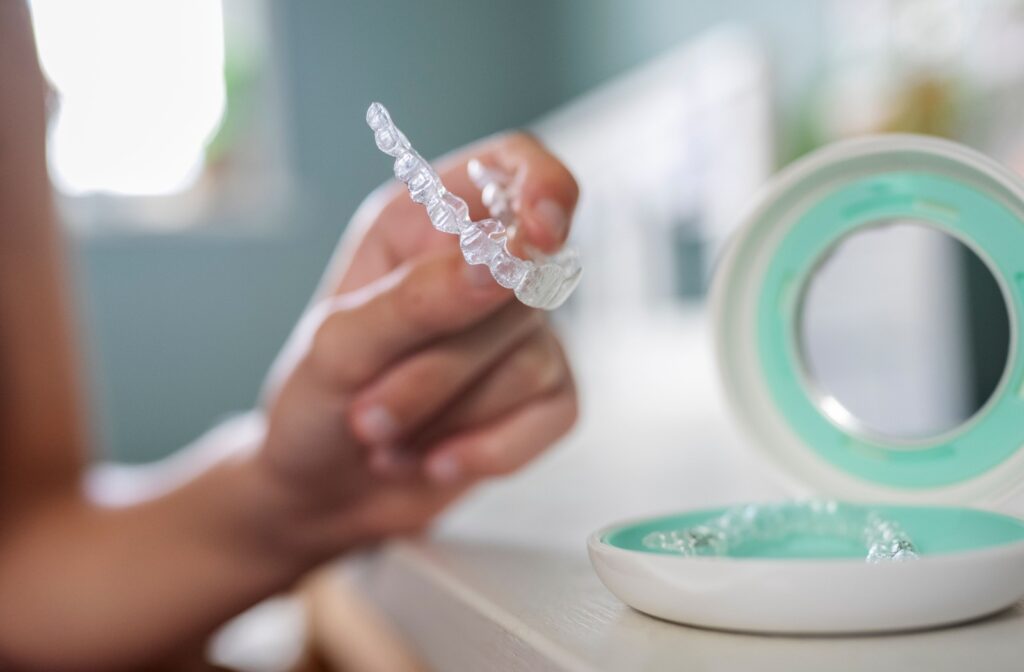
141, 91
154, 117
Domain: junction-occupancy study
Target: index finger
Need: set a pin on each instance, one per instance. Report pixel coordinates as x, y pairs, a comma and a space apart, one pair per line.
363, 332
546, 193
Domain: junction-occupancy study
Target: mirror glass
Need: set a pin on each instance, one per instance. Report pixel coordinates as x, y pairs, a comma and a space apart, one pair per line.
904, 332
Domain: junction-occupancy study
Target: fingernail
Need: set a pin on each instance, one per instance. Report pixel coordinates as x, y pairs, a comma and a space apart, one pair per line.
376, 424
478, 275
444, 469
552, 216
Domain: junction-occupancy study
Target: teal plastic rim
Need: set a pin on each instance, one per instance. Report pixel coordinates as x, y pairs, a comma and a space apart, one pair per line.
936, 530
981, 222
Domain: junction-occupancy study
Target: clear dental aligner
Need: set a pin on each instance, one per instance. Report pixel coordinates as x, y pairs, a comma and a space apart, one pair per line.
883, 540
543, 282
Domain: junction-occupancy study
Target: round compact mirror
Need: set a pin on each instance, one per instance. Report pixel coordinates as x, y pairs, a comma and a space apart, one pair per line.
868, 320
904, 332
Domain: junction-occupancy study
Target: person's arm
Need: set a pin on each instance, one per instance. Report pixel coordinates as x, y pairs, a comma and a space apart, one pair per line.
412, 377
82, 584
125, 586
40, 409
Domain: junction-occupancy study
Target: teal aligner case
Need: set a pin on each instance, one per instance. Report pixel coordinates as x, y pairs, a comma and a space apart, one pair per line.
888, 533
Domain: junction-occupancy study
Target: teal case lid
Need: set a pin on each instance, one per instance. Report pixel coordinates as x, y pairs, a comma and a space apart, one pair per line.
799, 219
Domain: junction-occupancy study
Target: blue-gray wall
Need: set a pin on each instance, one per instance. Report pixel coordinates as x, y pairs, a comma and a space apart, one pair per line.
181, 327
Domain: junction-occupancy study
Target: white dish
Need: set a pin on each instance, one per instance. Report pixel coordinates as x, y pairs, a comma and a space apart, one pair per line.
812, 595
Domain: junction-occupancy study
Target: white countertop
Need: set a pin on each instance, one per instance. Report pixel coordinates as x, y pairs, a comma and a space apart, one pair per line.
504, 582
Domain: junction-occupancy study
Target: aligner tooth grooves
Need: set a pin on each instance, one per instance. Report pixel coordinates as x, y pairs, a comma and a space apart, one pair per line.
883, 540
543, 282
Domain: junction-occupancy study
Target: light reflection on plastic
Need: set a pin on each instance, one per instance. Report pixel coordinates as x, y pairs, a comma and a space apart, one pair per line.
141, 87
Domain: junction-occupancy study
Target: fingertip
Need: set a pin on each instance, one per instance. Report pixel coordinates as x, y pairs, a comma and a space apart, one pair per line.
547, 191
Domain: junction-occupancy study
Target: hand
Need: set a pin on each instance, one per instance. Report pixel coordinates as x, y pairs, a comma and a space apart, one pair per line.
414, 375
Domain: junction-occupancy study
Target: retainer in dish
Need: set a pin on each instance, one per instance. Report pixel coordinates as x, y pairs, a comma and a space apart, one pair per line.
544, 282
882, 539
